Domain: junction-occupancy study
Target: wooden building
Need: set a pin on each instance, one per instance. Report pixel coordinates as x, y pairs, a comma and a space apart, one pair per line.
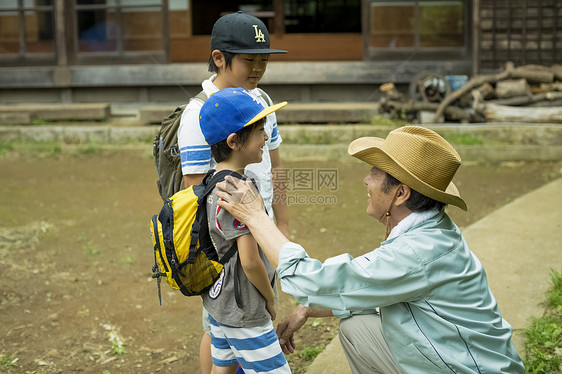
339, 50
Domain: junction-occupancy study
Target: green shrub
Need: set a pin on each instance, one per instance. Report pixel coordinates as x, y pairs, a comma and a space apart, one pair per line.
543, 345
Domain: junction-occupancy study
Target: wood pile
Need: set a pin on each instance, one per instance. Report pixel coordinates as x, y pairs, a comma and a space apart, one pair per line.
527, 93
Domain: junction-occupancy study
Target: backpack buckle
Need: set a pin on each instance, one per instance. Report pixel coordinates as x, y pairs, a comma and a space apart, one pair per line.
174, 151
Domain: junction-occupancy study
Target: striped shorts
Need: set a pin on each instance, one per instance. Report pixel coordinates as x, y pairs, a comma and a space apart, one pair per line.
255, 349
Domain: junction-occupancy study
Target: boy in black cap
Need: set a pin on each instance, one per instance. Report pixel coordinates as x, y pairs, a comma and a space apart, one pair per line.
240, 49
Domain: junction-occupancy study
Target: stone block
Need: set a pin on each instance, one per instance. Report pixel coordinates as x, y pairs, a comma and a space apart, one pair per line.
10, 133
65, 112
41, 133
60, 112
85, 134
154, 113
327, 113
15, 118
124, 135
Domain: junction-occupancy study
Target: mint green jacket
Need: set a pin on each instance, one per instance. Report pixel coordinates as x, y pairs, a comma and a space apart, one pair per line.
438, 313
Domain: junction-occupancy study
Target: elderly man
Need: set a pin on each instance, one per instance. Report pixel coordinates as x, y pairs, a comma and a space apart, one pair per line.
420, 303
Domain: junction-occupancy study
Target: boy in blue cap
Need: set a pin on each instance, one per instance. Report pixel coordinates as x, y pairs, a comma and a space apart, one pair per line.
240, 49
241, 304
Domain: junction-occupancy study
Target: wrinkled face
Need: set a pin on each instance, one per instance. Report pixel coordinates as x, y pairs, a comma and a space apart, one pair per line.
246, 70
377, 202
252, 150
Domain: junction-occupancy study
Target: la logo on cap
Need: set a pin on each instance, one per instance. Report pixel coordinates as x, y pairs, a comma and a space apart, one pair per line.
260, 38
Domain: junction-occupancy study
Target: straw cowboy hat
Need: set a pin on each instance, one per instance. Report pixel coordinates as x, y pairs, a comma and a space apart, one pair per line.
418, 157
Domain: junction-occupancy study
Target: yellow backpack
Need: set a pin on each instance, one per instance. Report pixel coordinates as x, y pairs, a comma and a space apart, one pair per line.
183, 252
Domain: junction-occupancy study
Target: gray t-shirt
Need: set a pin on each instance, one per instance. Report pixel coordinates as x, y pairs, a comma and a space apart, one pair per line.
219, 300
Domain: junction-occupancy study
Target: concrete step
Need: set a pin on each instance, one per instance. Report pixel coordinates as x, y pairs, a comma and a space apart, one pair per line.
506, 143
292, 113
24, 114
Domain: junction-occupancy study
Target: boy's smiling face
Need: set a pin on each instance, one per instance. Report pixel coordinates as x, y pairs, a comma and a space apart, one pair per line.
245, 71
252, 150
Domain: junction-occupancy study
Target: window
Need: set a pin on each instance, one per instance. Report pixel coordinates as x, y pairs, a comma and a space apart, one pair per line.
311, 30
296, 16
323, 16
27, 29
417, 27
118, 27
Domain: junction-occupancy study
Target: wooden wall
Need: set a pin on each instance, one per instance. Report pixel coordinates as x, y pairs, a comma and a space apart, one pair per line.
522, 31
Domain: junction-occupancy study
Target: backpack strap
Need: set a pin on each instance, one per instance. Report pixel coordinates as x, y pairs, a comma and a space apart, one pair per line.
200, 228
164, 193
202, 96
200, 222
265, 96
211, 184
213, 179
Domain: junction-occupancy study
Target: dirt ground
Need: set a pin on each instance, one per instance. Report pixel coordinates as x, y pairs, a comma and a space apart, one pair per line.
76, 257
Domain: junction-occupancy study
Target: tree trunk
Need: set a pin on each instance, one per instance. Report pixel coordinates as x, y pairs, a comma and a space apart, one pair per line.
512, 88
557, 70
504, 113
533, 74
524, 100
487, 91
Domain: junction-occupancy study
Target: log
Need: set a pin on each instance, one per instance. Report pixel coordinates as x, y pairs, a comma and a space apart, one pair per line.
505, 113
471, 84
555, 86
533, 74
512, 88
546, 87
547, 103
524, 100
452, 111
487, 91
557, 70
390, 91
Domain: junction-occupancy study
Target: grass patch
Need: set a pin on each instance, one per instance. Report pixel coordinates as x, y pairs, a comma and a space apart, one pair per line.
543, 345
50, 148
381, 121
90, 250
464, 139
7, 363
128, 260
309, 353
31, 148
117, 344
88, 149
39, 122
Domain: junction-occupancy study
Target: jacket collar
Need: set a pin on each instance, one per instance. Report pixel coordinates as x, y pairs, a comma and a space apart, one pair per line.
412, 220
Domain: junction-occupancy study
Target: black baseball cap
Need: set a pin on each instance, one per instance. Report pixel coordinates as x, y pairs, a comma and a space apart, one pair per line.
241, 33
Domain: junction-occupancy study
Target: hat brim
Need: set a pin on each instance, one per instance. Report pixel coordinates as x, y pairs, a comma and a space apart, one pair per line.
265, 112
368, 149
255, 51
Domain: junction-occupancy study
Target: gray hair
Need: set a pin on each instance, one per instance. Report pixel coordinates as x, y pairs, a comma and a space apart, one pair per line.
417, 202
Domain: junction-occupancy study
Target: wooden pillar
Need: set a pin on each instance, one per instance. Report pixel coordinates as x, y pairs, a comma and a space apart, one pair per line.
475, 37
166, 30
60, 33
279, 20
